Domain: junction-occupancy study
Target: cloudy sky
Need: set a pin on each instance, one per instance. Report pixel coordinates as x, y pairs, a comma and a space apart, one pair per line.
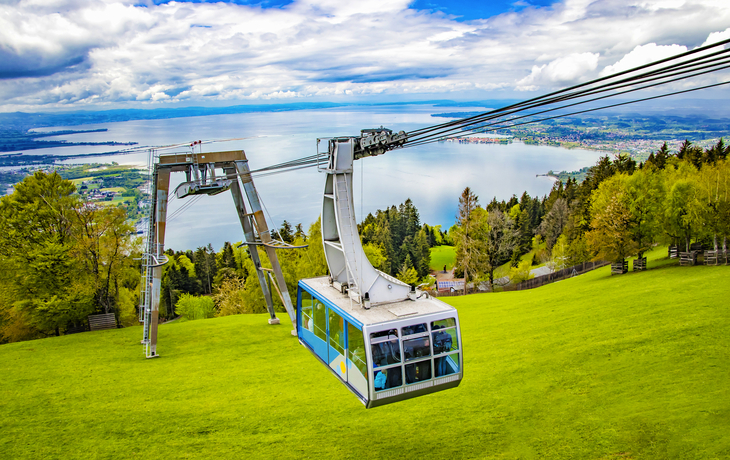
106, 54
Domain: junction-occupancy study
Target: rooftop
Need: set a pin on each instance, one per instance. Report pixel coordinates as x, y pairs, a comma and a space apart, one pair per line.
379, 313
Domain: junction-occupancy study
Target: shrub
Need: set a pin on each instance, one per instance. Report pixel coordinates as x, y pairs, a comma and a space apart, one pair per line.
191, 307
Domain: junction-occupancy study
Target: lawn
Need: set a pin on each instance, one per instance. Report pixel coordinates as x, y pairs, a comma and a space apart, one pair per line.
504, 269
597, 366
442, 255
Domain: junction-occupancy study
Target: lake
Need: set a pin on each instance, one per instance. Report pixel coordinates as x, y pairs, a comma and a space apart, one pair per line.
433, 175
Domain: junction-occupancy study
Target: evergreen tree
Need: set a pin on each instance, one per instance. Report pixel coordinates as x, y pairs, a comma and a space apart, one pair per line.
227, 258
552, 226
465, 239
286, 233
300, 234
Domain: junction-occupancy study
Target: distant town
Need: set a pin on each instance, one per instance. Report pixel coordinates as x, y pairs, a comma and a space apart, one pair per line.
636, 135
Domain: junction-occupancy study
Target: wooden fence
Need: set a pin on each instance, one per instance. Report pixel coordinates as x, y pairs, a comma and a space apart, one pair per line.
559, 275
619, 268
715, 257
535, 282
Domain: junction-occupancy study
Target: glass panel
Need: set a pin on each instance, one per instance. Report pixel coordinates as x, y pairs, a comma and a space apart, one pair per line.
388, 378
445, 340
320, 320
357, 368
337, 333
418, 372
306, 309
385, 353
416, 348
414, 329
446, 365
440, 324
392, 333
336, 349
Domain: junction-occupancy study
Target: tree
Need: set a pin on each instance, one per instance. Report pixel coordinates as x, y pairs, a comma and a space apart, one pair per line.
496, 239
559, 257
300, 235
227, 258
710, 209
554, 222
578, 251
230, 297
205, 267
407, 273
410, 217
423, 252
610, 236
45, 287
103, 245
375, 255
520, 273
645, 193
690, 153
463, 236
191, 307
659, 160
675, 216
286, 233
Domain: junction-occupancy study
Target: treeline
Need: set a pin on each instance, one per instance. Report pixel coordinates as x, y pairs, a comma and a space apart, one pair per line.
62, 260
229, 278
394, 240
620, 210
397, 244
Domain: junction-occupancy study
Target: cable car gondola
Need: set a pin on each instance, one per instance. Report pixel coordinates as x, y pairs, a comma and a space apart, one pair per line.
384, 340
385, 354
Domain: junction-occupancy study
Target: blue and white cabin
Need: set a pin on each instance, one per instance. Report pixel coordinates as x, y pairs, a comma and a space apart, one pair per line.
383, 354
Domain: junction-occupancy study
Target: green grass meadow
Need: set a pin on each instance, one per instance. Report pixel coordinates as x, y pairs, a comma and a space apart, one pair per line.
593, 367
442, 255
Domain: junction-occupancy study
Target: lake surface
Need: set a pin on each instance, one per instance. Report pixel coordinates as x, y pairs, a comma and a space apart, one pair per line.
433, 175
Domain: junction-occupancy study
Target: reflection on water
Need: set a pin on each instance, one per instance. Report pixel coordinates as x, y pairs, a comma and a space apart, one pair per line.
433, 176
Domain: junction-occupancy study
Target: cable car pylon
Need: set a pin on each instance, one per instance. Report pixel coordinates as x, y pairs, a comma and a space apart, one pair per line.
202, 180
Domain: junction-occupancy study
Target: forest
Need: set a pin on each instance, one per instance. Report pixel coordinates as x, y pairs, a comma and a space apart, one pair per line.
620, 210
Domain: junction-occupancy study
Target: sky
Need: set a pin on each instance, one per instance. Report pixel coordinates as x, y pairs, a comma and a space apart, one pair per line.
102, 54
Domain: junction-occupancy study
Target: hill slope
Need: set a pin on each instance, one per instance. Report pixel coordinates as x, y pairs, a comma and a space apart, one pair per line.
631, 366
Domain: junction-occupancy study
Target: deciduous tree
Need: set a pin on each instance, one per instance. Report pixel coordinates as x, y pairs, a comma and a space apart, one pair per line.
610, 235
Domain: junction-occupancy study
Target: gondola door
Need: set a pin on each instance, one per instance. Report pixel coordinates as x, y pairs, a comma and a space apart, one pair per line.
336, 340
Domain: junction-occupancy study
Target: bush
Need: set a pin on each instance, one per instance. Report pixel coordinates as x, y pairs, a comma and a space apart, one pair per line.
521, 272
191, 307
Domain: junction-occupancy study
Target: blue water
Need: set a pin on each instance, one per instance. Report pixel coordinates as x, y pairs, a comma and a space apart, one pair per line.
433, 176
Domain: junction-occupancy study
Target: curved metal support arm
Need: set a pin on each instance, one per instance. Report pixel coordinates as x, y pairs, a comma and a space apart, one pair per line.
347, 262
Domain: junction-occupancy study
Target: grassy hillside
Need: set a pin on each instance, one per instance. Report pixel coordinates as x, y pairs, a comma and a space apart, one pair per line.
442, 255
598, 366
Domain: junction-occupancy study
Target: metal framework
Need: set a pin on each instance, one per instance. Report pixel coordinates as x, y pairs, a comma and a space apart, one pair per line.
350, 269
201, 180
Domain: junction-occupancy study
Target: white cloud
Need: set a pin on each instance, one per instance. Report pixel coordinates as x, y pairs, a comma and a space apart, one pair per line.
564, 70
643, 54
716, 37
91, 52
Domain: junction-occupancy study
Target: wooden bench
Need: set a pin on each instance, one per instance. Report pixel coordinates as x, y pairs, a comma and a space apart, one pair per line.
103, 321
715, 257
688, 258
639, 264
673, 252
619, 268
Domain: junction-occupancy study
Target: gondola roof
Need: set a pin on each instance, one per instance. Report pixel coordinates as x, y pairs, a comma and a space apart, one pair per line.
377, 313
